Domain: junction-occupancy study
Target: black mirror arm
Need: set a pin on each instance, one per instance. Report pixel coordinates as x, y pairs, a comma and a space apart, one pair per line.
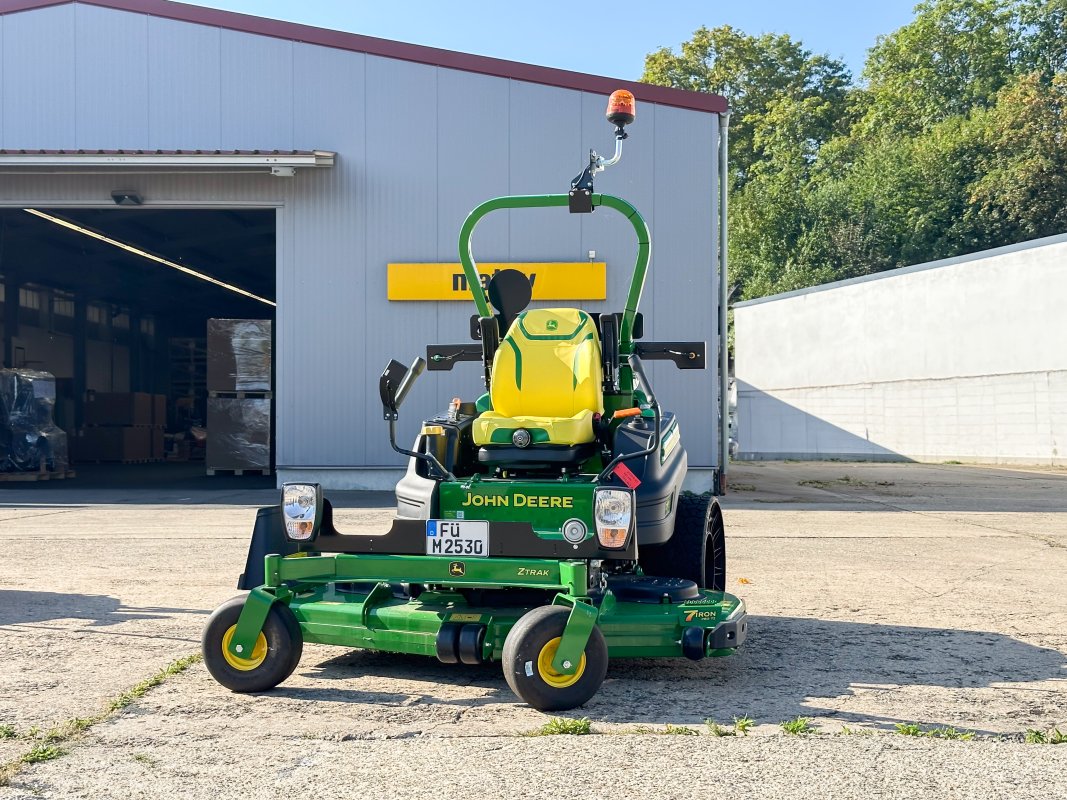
427, 457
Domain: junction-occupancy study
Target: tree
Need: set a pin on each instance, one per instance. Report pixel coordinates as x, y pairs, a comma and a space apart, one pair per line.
958, 143
753, 73
1043, 46
1022, 189
954, 56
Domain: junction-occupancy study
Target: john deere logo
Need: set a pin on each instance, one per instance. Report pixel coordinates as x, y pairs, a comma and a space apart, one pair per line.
551, 324
456, 569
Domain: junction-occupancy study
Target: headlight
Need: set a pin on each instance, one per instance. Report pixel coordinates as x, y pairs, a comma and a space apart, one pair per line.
614, 512
301, 510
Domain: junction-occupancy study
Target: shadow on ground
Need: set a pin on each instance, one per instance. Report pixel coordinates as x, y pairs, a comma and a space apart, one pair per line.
26, 607
789, 667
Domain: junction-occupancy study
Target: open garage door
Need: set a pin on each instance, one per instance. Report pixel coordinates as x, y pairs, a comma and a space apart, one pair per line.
117, 304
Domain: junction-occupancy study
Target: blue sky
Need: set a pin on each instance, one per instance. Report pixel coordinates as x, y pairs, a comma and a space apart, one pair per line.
607, 38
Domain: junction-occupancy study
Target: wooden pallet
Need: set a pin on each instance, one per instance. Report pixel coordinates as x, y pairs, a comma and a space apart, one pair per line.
41, 475
216, 393
121, 461
215, 471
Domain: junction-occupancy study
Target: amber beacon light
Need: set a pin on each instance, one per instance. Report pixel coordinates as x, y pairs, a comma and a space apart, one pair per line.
621, 108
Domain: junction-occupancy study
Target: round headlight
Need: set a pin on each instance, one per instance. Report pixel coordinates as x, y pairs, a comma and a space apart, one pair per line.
574, 531
521, 438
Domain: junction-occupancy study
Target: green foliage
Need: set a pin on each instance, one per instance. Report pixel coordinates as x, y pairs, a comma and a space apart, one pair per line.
680, 730
715, 729
847, 731
756, 73
952, 57
564, 727
956, 143
949, 732
743, 725
8, 732
908, 729
42, 752
944, 732
798, 727
1033, 736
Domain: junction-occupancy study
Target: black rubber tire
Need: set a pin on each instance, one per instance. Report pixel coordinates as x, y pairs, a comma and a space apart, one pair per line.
469, 645
285, 644
696, 550
693, 643
447, 643
524, 643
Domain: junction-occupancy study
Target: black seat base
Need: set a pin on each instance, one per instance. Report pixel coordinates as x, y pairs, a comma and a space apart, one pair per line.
652, 589
538, 455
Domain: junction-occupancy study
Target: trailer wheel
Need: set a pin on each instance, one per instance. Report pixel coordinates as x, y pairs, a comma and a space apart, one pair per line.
527, 659
696, 550
272, 660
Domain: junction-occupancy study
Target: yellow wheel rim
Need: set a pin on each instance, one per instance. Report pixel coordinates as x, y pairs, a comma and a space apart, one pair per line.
259, 652
544, 667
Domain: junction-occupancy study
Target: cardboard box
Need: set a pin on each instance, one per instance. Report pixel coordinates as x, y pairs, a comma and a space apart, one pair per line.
118, 408
156, 446
238, 355
159, 410
113, 443
238, 433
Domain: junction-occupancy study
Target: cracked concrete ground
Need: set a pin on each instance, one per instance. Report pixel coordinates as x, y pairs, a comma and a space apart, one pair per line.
880, 593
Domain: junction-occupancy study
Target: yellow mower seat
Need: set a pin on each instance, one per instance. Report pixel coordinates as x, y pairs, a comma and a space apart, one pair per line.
547, 378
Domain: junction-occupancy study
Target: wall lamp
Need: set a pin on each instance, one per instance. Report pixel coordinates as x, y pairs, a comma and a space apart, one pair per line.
126, 197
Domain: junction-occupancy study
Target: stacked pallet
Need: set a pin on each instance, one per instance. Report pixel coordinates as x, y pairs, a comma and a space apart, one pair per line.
123, 427
32, 446
239, 397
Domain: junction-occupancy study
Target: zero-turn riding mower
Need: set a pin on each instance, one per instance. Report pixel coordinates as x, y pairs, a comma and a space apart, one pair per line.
543, 525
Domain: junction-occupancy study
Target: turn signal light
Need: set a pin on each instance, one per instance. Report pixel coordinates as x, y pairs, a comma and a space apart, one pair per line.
621, 108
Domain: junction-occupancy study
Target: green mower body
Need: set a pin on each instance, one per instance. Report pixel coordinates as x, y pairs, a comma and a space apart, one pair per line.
549, 543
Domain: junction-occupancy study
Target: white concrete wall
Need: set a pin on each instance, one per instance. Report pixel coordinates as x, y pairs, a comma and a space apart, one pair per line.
961, 359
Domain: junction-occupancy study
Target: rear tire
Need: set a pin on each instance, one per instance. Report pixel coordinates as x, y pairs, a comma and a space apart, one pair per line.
696, 550
273, 659
528, 651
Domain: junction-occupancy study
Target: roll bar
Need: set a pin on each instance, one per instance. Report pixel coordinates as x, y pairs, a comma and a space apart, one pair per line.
637, 281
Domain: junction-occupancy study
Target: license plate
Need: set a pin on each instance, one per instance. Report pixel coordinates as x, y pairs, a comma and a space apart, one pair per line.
457, 537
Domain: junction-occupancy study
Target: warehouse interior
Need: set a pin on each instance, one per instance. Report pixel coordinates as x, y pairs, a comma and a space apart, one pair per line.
115, 303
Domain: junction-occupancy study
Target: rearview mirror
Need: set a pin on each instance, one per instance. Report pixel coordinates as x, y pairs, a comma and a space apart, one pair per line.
389, 385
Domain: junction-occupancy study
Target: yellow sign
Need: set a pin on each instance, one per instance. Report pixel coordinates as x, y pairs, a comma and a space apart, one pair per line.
580, 280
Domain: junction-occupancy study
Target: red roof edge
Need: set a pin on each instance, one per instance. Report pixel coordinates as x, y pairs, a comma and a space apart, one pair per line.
183, 12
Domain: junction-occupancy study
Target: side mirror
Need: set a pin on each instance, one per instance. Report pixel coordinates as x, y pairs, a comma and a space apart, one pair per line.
388, 385
394, 384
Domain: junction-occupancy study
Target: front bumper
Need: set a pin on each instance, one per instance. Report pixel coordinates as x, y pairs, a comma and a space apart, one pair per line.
407, 537
728, 635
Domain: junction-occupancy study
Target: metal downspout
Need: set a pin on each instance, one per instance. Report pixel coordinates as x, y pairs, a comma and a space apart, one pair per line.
724, 296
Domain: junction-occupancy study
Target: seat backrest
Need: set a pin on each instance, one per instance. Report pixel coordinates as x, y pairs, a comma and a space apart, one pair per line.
548, 365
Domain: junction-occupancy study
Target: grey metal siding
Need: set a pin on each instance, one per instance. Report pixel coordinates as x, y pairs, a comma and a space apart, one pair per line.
418, 147
323, 367
257, 92
38, 89
110, 97
185, 89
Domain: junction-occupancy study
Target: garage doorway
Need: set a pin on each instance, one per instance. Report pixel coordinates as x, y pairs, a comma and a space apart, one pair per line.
116, 304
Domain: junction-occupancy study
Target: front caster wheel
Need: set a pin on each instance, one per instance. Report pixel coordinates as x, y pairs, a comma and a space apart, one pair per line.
272, 660
527, 659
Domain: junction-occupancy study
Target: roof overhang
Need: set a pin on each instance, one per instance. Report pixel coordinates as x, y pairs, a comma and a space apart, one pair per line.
277, 162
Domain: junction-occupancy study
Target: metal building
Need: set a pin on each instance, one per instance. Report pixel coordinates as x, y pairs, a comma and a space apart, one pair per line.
954, 360
325, 156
